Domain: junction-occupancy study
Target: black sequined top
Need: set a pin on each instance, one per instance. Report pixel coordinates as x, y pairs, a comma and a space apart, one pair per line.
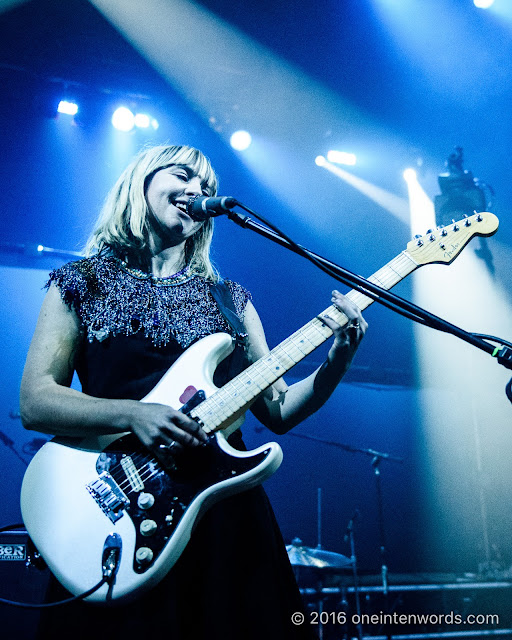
134, 324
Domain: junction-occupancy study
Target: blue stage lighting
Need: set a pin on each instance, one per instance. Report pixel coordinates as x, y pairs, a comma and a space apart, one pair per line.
240, 140
142, 120
410, 174
342, 157
483, 4
70, 108
123, 119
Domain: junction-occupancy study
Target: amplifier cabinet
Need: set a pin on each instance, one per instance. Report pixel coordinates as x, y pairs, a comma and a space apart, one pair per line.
23, 578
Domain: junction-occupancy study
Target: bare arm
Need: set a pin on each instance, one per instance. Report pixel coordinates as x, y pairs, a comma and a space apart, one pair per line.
281, 407
48, 404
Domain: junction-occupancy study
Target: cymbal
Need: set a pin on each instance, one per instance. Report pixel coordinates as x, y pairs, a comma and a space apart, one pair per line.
301, 556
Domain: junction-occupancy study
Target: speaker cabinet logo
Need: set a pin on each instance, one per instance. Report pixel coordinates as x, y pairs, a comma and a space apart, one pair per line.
13, 552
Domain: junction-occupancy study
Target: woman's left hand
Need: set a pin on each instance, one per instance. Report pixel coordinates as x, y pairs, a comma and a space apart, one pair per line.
347, 337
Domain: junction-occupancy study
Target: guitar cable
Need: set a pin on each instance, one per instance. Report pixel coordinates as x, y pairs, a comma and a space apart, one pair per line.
110, 566
28, 605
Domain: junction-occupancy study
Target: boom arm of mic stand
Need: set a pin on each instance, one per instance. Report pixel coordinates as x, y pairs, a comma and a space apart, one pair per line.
396, 303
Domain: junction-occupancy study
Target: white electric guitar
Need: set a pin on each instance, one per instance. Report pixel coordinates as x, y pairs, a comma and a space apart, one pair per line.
82, 498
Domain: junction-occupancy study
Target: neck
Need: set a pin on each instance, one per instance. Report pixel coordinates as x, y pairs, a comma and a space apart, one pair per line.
168, 261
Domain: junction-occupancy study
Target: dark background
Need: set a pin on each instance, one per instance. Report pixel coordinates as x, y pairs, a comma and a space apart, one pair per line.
400, 84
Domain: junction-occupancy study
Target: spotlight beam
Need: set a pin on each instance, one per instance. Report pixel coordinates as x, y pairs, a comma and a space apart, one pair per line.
214, 65
389, 201
422, 214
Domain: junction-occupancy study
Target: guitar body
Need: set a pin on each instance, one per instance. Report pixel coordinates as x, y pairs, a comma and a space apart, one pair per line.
76, 493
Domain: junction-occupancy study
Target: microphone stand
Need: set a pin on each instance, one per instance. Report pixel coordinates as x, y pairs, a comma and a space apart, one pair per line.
367, 288
377, 457
353, 561
380, 517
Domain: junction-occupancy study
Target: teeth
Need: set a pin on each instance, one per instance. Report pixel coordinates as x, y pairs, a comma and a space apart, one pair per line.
181, 206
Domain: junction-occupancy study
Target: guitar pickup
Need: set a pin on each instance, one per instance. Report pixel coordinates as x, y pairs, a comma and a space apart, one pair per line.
108, 496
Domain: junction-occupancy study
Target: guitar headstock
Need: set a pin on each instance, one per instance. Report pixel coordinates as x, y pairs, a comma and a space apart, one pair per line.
444, 244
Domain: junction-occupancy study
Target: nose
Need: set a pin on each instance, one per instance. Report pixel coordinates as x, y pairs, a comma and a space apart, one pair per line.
194, 187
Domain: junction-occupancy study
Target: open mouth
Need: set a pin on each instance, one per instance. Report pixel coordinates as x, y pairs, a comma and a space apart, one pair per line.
182, 206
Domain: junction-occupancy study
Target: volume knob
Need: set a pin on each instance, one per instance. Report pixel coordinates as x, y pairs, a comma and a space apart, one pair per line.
146, 500
144, 555
148, 527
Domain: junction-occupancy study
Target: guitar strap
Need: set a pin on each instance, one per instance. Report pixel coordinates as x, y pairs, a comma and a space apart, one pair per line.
222, 296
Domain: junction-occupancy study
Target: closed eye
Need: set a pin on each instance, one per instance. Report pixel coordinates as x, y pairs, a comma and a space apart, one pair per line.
186, 174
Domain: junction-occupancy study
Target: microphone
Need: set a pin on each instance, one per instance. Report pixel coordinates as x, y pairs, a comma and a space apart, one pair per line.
200, 208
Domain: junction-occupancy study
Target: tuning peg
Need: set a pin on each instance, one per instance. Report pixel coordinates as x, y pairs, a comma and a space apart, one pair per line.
418, 238
455, 225
467, 222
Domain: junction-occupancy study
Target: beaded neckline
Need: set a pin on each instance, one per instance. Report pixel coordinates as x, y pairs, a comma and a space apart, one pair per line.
113, 299
171, 281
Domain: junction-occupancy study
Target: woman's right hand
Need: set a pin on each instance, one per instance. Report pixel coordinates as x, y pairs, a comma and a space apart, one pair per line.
159, 427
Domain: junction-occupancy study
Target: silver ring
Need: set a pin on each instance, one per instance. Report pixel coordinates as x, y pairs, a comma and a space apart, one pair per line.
168, 447
354, 325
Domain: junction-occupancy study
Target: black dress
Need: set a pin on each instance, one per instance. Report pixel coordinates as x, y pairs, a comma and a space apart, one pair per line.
234, 580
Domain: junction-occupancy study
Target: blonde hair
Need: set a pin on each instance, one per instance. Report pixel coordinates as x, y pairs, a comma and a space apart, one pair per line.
123, 224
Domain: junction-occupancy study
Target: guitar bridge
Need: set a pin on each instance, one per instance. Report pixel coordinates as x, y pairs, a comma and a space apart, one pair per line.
108, 496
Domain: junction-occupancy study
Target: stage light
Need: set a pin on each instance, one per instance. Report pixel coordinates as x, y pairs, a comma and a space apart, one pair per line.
483, 4
461, 193
342, 157
320, 161
141, 120
69, 108
123, 119
410, 174
240, 140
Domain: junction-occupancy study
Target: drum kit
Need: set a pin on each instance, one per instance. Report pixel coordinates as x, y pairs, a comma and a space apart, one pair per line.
325, 566
317, 558
320, 567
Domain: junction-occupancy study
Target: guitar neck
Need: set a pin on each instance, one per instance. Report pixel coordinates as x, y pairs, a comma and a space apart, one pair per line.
234, 397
